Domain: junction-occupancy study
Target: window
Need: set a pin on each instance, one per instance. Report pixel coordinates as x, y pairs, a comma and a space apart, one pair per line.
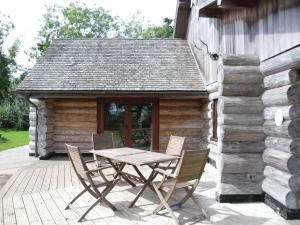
214, 136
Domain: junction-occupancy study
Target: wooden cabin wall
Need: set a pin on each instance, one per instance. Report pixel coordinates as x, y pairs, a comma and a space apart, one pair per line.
75, 120
45, 128
188, 118
282, 145
265, 30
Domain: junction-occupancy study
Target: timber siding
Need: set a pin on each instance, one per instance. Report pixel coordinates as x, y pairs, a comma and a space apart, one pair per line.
265, 30
188, 118
75, 120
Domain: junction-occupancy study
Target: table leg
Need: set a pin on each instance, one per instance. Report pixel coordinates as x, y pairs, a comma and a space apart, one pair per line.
118, 170
147, 182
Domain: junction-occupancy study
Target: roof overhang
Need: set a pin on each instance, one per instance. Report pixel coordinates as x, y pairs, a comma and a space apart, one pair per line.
97, 94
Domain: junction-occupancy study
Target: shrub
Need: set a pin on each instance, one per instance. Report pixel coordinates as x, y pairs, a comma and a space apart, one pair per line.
14, 114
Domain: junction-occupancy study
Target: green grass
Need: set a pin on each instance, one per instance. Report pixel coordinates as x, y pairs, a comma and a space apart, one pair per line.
12, 138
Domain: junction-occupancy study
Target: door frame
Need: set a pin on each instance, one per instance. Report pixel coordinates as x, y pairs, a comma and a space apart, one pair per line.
128, 125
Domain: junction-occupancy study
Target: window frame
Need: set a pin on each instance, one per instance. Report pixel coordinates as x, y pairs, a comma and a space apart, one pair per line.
214, 118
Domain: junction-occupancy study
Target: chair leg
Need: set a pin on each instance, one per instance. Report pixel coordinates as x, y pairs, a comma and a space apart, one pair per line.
74, 199
166, 198
184, 199
199, 205
165, 204
89, 209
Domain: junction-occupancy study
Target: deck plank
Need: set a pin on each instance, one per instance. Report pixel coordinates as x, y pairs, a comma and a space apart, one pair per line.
60, 203
3, 191
68, 178
61, 177
32, 181
20, 211
42, 209
54, 177
40, 179
46, 183
75, 207
52, 208
32, 213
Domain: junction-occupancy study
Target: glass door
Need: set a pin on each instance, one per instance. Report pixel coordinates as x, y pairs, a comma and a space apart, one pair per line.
134, 122
141, 125
114, 122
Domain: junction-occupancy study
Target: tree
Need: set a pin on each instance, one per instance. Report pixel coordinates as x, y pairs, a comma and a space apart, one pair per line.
137, 27
74, 21
164, 31
8, 64
79, 21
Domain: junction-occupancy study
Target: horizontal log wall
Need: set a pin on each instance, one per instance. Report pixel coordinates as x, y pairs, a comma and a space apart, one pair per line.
282, 152
188, 118
240, 131
74, 122
45, 128
32, 127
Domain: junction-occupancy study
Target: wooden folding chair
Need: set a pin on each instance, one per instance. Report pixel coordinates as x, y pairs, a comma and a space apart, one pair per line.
174, 147
102, 141
187, 176
90, 181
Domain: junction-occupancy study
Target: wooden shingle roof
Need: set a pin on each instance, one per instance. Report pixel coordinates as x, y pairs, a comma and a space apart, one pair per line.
115, 65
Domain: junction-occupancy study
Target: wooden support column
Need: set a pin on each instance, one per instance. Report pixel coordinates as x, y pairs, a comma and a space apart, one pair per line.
240, 131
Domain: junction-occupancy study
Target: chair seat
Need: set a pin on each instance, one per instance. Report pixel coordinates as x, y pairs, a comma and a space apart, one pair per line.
167, 165
100, 182
168, 183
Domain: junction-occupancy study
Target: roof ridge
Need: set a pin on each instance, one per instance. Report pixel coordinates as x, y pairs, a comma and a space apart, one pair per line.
122, 39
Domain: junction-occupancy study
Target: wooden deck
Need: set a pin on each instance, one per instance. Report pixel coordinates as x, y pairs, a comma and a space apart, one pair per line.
37, 194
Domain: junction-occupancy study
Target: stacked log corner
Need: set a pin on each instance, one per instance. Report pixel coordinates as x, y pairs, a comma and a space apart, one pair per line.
282, 152
44, 129
240, 129
32, 127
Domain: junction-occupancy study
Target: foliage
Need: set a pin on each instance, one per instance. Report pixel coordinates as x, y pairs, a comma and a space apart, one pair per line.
164, 31
74, 21
13, 109
13, 138
7, 61
79, 21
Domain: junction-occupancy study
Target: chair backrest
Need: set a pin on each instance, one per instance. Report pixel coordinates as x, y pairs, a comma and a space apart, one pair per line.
191, 165
175, 145
77, 161
103, 141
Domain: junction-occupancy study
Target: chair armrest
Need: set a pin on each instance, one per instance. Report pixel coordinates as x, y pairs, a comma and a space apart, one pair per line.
98, 169
90, 161
165, 173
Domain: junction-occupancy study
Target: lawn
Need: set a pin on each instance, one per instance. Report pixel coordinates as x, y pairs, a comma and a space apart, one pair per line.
13, 138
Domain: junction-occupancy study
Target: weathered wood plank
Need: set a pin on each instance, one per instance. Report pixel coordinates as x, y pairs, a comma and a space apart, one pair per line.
240, 163
20, 211
282, 160
42, 209
240, 133
240, 105
281, 79
281, 194
288, 145
241, 147
31, 210
283, 178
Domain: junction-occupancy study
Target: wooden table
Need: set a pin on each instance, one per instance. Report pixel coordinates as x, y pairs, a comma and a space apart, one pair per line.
135, 158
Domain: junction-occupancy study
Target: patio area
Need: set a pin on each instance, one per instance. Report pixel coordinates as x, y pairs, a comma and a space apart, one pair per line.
38, 191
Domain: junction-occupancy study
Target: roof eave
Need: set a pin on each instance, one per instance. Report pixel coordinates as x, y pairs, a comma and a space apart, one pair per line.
116, 93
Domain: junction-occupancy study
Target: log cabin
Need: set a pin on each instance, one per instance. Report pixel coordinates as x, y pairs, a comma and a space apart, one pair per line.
228, 80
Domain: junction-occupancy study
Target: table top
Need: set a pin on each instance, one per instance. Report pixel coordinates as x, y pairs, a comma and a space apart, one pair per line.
134, 156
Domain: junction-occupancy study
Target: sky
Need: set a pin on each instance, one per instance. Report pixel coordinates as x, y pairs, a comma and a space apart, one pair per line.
27, 16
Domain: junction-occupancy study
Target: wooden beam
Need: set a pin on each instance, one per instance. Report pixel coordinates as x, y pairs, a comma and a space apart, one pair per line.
232, 4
